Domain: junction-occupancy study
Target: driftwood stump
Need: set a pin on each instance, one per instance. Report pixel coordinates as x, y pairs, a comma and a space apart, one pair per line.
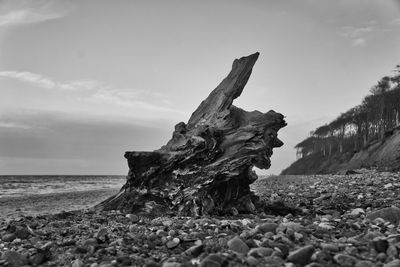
206, 168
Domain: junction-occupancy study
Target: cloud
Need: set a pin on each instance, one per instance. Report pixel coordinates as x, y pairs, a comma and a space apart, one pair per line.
359, 42
29, 77
26, 16
94, 91
358, 35
18, 12
396, 21
353, 32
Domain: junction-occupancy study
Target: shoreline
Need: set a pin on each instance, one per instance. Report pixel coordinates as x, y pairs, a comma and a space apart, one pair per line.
346, 220
51, 203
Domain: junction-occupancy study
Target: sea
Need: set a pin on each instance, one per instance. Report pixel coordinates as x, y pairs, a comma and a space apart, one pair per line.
24, 185
23, 195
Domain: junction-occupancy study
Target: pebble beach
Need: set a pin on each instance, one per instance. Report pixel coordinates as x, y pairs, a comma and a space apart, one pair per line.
345, 220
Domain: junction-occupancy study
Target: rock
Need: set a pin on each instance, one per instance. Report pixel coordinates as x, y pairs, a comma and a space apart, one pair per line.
389, 185
345, 260
392, 251
380, 244
301, 255
38, 258
77, 263
393, 263
252, 261
260, 252
268, 227
208, 159
357, 212
14, 258
22, 232
391, 214
132, 217
236, 244
173, 243
212, 260
364, 264
8, 237
101, 235
171, 264
326, 226
194, 251
290, 225
329, 247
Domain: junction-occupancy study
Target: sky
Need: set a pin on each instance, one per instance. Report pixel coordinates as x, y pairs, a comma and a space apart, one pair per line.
83, 81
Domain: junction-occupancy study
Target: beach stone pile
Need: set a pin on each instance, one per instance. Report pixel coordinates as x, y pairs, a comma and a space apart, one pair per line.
345, 220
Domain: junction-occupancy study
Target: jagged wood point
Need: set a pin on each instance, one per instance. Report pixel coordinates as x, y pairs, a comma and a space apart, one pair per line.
206, 167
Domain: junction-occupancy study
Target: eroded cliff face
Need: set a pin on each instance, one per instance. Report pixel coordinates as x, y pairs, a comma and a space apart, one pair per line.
206, 167
382, 154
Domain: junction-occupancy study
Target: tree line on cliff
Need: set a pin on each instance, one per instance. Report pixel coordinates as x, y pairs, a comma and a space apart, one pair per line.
376, 116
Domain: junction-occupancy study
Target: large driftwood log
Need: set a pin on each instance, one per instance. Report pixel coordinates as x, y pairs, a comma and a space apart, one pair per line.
206, 168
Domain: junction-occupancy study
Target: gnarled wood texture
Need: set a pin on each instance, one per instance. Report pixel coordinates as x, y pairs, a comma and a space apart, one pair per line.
206, 168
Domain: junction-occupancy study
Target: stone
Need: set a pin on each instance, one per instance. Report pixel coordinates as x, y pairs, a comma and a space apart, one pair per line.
8, 237
297, 227
380, 244
102, 235
22, 232
77, 263
357, 212
393, 263
301, 255
268, 227
260, 252
194, 251
14, 258
212, 260
132, 217
364, 263
345, 260
326, 226
391, 214
252, 261
329, 247
173, 243
237, 245
208, 159
38, 258
171, 264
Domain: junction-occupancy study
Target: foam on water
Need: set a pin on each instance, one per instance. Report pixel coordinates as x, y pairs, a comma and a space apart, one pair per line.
24, 185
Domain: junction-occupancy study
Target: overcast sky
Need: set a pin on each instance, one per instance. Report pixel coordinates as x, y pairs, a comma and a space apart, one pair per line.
81, 82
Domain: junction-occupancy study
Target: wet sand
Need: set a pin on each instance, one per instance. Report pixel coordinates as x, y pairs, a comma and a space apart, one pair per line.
14, 207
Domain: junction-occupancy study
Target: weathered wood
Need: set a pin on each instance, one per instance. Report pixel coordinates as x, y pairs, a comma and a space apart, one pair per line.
206, 167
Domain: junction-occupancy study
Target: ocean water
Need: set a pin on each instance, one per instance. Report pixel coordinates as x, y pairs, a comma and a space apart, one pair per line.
25, 185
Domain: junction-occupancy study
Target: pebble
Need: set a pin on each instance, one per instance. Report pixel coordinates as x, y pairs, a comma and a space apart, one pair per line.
77, 263
391, 214
364, 264
212, 260
345, 260
14, 258
194, 251
357, 212
301, 255
260, 252
326, 226
236, 244
173, 243
329, 247
132, 217
393, 263
8, 237
268, 227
